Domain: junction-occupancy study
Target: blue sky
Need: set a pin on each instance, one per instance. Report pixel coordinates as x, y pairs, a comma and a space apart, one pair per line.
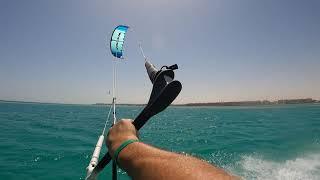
227, 50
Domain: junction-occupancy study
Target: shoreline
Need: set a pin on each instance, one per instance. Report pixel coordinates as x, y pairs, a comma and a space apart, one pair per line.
206, 104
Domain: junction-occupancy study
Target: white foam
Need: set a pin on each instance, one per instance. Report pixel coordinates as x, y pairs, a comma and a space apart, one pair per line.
301, 168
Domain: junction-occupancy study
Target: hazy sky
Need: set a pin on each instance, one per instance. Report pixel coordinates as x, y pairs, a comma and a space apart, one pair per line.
57, 50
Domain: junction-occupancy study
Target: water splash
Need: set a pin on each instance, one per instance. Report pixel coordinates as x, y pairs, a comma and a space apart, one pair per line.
306, 167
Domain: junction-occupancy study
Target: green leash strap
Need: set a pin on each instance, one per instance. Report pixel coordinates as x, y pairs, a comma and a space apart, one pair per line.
122, 146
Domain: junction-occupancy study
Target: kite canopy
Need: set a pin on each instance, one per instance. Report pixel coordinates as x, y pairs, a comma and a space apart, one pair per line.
117, 40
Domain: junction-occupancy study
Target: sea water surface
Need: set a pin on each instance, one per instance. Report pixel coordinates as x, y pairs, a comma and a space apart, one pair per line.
54, 141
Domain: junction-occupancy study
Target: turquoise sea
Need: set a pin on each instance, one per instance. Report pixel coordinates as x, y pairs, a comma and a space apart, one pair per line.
53, 141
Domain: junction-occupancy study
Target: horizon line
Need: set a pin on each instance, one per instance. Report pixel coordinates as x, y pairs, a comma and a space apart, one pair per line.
137, 104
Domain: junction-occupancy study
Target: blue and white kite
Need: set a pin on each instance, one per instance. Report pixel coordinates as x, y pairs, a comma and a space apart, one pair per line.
117, 40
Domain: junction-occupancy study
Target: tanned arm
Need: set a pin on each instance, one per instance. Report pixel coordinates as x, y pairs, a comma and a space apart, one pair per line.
142, 161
